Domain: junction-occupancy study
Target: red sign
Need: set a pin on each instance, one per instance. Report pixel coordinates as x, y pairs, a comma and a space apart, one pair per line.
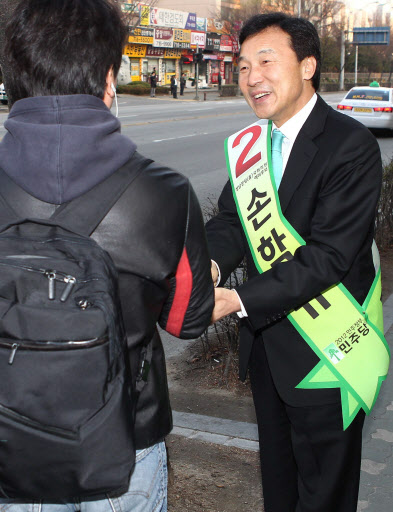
226, 44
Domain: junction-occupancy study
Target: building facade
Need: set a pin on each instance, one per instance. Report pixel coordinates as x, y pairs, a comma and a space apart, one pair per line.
170, 40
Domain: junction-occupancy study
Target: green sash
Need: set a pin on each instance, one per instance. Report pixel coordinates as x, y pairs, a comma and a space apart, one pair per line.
348, 338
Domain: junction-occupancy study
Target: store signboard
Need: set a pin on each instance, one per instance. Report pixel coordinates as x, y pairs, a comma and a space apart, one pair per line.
155, 52
145, 15
135, 50
141, 35
171, 53
218, 27
201, 24
198, 38
163, 38
129, 7
174, 19
212, 41
181, 38
226, 44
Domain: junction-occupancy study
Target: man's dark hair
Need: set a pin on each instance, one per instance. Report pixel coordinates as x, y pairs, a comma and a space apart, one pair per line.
60, 47
303, 35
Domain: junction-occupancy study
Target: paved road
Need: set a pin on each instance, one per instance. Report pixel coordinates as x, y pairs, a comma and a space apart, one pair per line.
188, 135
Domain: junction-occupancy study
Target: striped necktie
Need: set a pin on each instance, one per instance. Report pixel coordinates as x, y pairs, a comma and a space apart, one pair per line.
277, 139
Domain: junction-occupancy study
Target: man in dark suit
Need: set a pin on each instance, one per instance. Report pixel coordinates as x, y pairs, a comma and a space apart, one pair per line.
329, 191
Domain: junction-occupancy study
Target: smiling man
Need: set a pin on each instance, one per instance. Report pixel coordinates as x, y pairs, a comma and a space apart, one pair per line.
300, 206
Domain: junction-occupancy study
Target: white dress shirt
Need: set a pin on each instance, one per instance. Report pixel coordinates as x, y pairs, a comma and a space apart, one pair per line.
290, 130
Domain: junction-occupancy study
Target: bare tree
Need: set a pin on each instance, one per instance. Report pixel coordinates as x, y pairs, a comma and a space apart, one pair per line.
132, 11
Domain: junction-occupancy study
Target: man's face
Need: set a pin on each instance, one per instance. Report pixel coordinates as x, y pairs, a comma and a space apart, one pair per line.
274, 83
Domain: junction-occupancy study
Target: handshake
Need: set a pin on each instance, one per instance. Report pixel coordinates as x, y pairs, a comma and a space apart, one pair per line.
225, 301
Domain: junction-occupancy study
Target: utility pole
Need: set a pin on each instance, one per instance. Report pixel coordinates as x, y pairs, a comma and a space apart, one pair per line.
197, 73
299, 8
356, 63
342, 61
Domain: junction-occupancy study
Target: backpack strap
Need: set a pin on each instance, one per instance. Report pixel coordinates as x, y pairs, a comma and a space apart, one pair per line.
81, 215
84, 213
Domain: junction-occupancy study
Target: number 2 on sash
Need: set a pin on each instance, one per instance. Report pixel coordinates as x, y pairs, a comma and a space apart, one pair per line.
242, 165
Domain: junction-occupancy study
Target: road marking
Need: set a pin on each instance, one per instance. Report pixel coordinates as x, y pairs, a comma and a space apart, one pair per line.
194, 109
181, 137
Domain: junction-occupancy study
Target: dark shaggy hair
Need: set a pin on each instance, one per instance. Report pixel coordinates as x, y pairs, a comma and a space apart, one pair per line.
304, 37
59, 47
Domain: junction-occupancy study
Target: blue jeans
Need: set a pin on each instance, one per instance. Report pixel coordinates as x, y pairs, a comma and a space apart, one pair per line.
147, 491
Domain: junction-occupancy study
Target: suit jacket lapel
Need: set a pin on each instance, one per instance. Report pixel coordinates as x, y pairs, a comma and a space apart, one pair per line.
303, 152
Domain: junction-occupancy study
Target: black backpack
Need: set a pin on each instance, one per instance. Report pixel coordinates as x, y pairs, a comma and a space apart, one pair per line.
66, 399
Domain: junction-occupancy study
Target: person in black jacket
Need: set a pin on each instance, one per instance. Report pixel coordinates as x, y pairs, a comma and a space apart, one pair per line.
61, 141
329, 163
182, 83
153, 83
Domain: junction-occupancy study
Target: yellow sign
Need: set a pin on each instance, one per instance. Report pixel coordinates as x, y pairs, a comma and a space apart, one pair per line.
181, 36
171, 53
145, 15
135, 50
142, 36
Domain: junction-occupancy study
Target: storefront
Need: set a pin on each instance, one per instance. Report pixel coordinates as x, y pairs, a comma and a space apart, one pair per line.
171, 46
136, 53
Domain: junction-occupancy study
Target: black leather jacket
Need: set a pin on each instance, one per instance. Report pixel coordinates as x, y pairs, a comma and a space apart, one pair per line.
156, 238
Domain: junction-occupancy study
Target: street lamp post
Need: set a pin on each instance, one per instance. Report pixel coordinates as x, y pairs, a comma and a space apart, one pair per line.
342, 61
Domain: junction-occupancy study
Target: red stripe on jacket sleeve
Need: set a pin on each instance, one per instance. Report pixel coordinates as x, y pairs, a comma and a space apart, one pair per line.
182, 296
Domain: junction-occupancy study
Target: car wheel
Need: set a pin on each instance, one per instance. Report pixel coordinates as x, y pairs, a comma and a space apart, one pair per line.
4, 102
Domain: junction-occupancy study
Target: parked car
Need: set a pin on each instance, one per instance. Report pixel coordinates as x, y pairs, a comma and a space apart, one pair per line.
3, 96
372, 106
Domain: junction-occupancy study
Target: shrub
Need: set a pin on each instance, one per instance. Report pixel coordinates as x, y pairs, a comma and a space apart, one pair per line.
384, 220
140, 88
220, 342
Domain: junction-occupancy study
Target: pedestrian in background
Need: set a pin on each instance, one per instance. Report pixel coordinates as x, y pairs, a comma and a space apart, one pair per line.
182, 83
153, 83
174, 86
219, 79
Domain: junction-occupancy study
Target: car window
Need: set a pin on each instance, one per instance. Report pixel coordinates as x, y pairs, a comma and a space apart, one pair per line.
365, 94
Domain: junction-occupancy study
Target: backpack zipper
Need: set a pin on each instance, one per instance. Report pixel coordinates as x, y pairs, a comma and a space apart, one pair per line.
52, 276
50, 345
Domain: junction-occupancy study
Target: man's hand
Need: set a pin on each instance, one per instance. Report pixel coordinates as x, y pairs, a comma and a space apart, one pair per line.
226, 302
214, 271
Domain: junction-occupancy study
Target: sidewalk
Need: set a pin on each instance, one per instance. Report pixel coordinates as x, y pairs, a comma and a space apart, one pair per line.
210, 94
229, 422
